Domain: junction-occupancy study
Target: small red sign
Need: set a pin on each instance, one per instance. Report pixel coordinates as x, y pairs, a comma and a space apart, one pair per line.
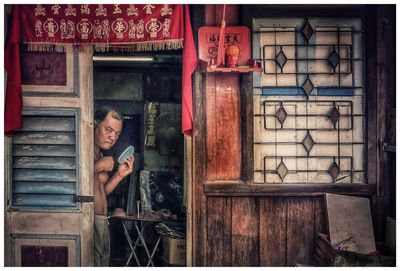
234, 35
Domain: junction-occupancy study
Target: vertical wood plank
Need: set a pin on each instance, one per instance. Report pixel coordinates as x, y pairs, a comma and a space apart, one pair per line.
223, 127
227, 239
320, 225
246, 97
273, 212
245, 230
188, 169
86, 153
211, 111
215, 231
386, 66
300, 230
199, 172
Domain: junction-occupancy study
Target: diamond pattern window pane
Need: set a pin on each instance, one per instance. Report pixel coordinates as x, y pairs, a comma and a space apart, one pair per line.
312, 85
308, 86
281, 114
333, 59
334, 170
307, 30
308, 142
334, 115
281, 59
282, 170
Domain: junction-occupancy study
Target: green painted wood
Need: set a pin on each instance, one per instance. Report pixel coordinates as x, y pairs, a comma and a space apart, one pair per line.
51, 138
44, 150
33, 200
44, 162
44, 188
48, 175
48, 124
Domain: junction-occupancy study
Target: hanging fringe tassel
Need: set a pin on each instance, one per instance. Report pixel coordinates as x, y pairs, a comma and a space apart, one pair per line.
46, 47
141, 46
106, 47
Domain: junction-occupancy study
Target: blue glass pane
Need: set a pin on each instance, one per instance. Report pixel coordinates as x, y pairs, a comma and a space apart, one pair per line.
335, 91
285, 91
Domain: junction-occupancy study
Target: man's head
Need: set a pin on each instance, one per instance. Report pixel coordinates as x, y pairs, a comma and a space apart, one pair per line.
108, 126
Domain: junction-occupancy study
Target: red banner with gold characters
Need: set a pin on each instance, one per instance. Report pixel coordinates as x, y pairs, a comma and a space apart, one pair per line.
127, 27
140, 27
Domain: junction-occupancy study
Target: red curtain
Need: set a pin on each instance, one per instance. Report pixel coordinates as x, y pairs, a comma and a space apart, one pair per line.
189, 65
13, 101
129, 27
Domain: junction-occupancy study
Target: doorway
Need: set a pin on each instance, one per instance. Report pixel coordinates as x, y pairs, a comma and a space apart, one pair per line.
146, 88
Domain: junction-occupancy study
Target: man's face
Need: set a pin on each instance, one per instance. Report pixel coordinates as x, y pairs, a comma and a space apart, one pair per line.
106, 132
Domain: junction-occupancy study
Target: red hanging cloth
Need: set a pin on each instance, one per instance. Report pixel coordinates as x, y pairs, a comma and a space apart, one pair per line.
23, 30
189, 65
13, 102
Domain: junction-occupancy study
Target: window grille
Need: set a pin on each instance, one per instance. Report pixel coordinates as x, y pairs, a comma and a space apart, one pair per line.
308, 101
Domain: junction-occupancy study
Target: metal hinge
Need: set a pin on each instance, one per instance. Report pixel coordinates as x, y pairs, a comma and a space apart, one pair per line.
389, 148
386, 147
79, 198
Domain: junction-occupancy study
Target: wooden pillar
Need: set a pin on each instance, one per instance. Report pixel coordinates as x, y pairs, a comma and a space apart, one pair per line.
217, 133
386, 177
218, 93
223, 126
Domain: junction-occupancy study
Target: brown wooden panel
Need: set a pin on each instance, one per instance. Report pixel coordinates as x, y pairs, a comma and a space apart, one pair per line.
320, 225
228, 232
43, 68
200, 162
386, 89
219, 225
44, 256
224, 128
300, 230
247, 126
245, 230
273, 213
210, 113
237, 188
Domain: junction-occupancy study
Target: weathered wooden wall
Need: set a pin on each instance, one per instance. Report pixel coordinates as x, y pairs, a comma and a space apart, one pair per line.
239, 223
262, 231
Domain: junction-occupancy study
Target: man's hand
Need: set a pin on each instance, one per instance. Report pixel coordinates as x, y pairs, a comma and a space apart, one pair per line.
105, 163
126, 168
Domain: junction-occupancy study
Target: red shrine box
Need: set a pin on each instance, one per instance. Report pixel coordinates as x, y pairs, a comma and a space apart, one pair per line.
234, 35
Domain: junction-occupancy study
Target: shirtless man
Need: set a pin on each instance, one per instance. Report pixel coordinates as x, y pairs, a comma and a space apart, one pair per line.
108, 126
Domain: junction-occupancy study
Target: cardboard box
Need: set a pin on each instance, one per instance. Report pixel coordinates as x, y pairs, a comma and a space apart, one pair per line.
174, 250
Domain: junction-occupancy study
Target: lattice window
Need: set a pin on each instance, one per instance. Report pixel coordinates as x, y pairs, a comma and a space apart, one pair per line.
308, 102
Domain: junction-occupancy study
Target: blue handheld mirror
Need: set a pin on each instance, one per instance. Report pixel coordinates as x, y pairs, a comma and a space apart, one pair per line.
125, 154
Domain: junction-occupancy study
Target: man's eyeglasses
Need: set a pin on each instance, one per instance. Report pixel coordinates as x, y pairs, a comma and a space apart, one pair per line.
110, 130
